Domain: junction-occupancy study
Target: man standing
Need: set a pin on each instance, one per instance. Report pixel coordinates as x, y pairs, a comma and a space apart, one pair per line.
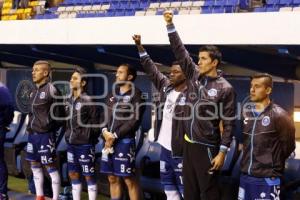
41, 129
169, 129
269, 139
6, 116
213, 100
80, 136
124, 116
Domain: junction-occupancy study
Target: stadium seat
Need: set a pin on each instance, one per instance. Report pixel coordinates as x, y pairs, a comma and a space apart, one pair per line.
220, 2
13, 127
160, 11
230, 9
134, 5
272, 2
150, 12
218, 10
296, 2
285, 2
272, 9
165, 5
175, 4
209, 3
260, 9
232, 2
129, 12
154, 5
231, 157
206, 10
185, 11
187, 4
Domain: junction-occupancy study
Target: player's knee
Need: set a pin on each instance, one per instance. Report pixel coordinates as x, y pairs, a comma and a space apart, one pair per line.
114, 180
130, 182
35, 165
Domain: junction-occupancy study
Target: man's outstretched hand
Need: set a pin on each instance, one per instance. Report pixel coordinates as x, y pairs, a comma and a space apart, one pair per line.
168, 16
137, 39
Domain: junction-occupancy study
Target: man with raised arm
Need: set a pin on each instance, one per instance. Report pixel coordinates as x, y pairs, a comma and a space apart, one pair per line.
213, 100
169, 129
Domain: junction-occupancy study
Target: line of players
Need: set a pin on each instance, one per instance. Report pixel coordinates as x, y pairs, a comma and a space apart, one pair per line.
193, 148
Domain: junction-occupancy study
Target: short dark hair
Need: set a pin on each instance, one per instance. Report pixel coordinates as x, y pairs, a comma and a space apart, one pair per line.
130, 71
175, 63
82, 73
44, 62
213, 51
268, 80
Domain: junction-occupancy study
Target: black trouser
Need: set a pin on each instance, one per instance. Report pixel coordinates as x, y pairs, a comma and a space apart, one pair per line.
3, 168
198, 183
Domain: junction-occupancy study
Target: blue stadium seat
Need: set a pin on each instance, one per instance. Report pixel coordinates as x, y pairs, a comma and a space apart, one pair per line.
119, 12
124, 5
144, 4
114, 5
296, 2
209, 3
160, 11
134, 5
285, 2
272, 2
260, 9
272, 9
110, 13
232, 2
206, 10
218, 10
230, 9
129, 12
220, 2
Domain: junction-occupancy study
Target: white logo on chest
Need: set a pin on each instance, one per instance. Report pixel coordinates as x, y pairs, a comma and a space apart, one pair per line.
42, 95
212, 92
266, 121
78, 106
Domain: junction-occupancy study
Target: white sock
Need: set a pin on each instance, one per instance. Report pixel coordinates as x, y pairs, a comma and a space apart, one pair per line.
92, 191
55, 179
172, 195
38, 178
76, 191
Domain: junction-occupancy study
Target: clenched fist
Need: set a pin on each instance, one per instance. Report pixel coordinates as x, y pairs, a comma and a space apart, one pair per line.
168, 16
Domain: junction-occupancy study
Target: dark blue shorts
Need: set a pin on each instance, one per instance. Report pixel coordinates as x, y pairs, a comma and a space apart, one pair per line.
258, 188
41, 148
81, 159
171, 171
122, 161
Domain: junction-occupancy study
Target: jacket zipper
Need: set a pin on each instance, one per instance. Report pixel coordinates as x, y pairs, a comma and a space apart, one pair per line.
252, 141
71, 121
33, 116
112, 124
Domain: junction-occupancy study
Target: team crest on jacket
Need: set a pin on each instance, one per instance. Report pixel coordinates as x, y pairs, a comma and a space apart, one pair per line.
182, 101
78, 106
212, 92
266, 121
42, 95
126, 99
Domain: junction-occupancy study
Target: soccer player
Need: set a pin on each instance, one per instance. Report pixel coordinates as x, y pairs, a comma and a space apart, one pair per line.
268, 140
80, 136
123, 119
6, 116
169, 129
41, 129
213, 100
